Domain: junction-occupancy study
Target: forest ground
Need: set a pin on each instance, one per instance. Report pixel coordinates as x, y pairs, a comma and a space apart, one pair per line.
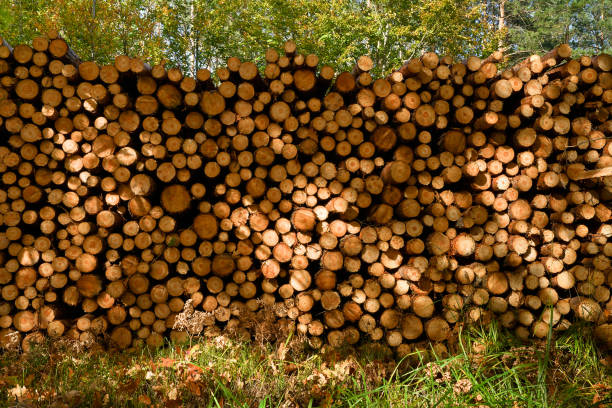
488, 368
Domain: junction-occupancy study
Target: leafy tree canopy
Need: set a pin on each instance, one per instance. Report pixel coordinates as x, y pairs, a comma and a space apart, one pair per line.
193, 34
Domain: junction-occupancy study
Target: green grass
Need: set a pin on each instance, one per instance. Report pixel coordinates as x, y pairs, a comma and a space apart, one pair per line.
487, 368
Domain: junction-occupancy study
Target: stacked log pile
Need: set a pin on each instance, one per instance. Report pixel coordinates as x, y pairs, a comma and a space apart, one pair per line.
353, 207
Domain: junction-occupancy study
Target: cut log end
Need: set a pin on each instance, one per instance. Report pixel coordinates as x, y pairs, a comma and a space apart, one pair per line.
175, 199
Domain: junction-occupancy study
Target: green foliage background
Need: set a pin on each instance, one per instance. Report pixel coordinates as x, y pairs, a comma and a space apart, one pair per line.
195, 34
